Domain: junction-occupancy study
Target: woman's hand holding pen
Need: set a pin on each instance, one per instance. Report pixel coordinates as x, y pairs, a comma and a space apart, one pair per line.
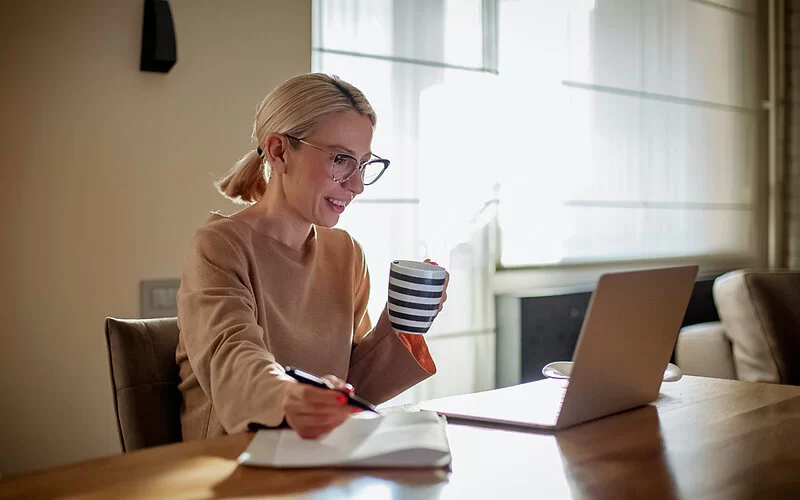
313, 412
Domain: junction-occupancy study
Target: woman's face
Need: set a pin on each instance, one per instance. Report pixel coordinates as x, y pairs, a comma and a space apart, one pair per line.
310, 190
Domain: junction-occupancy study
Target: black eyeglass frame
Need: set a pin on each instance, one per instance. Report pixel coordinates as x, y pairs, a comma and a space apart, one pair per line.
337, 156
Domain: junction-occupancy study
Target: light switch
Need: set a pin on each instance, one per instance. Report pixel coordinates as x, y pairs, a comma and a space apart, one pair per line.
159, 298
164, 298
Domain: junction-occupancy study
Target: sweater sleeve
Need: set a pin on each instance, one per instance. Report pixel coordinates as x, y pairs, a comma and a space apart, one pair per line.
225, 345
383, 363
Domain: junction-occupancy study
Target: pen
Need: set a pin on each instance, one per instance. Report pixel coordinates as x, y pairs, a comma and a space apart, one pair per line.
308, 378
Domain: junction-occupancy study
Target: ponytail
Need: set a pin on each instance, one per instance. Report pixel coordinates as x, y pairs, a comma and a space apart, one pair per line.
246, 182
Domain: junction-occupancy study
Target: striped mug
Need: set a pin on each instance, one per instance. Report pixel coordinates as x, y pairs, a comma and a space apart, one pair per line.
415, 290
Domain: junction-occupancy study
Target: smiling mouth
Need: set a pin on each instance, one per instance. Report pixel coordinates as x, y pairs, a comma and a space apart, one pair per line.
337, 206
337, 202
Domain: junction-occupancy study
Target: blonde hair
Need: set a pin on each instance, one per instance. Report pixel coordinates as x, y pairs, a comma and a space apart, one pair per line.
294, 108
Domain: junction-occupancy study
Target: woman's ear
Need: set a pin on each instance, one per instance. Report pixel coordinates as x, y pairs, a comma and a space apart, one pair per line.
275, 151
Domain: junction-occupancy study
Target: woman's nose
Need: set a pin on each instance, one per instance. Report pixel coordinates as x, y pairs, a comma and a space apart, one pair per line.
355, 183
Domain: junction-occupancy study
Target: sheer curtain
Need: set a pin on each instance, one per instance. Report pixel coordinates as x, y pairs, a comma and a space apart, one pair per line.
640, 120
417, 60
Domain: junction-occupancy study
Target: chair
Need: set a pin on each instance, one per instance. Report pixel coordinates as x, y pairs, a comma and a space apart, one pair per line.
758, 338
144, 378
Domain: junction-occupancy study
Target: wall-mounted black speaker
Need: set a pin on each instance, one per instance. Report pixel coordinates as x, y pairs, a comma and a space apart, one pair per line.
159, 52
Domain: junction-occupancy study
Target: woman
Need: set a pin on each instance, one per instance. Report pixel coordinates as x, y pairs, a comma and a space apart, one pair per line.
274, 285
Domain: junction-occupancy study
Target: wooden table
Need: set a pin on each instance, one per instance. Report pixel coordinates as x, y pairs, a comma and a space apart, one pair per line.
704, 438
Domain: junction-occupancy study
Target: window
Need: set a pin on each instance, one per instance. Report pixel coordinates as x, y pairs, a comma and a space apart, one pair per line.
403, 55
587, 131
611, 130
639, 126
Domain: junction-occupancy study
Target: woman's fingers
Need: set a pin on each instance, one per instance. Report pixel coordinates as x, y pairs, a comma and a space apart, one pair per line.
444, 291
339, 384
309, 429
333, 379
313, 425
310, 432
311, 400
312, 411
318, 396
446, 282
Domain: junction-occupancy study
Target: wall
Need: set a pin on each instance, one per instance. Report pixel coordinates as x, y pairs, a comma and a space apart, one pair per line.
106, 172
792, 133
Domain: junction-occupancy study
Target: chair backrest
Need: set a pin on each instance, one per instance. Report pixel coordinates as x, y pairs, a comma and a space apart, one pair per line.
144, 377
760, 310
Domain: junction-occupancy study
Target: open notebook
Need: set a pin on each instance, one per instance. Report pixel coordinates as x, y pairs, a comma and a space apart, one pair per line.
402, 439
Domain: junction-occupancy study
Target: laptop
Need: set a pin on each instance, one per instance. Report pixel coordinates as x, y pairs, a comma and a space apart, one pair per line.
624, 346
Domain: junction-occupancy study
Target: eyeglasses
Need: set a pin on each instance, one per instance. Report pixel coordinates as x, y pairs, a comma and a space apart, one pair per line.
344, 166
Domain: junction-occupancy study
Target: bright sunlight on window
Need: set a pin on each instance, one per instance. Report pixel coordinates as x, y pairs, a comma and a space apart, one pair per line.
541, 132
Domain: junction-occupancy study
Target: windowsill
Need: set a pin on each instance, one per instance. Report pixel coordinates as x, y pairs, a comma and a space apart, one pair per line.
536, 279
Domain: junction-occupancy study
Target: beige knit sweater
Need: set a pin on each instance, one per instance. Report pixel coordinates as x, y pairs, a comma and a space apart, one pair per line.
248, 305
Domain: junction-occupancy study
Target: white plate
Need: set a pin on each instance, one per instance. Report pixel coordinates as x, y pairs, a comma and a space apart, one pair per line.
562, 369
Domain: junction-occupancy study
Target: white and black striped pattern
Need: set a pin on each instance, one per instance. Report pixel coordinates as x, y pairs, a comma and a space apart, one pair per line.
415, 290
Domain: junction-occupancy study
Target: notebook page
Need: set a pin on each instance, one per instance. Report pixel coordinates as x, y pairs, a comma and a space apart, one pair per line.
421, 431
395, 438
